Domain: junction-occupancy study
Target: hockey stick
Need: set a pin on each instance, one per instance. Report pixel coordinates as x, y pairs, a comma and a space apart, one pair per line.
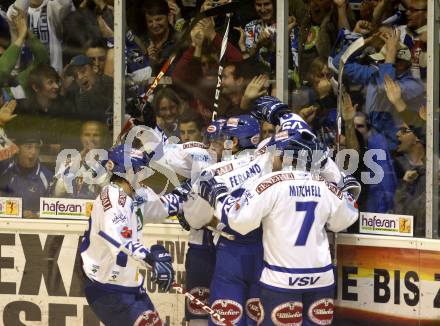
219, 10
356, 45
221, 233
214, 315
220, 65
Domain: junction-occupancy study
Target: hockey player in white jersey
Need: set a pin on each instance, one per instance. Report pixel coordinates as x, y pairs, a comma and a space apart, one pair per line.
294, 206
234, 286
114, 286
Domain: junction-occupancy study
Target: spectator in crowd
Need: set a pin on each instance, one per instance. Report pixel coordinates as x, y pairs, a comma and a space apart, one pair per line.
96, 50
316, 32
45, 111
414, 35
366, 139
45, 21
25, 176
196, 71
410, 198
168, 107
267, 130
93, 94
159, 40
9, 57
259, 34
190, 128
93, 135
395, 60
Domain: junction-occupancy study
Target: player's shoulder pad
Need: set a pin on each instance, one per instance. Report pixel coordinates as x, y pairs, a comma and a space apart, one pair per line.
273, 179
112, 196
194, 144
334, 189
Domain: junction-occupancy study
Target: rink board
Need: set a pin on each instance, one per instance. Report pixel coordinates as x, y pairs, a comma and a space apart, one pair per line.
387, 281
41, 279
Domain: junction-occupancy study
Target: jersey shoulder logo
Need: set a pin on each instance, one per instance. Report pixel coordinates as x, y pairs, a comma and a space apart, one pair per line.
334, 189
194, 144
122, 199
106, 203
224, 169
269, 182
126, 232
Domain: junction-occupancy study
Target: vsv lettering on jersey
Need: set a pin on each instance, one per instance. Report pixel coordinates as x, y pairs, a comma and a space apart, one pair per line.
303, 281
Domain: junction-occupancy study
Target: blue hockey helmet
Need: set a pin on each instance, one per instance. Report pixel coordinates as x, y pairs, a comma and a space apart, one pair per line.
125, 157
303, 146
214, 130
245, 128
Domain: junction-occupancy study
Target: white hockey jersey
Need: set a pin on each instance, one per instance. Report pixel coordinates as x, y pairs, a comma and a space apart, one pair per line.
234, 173
188, 160
294, 208
113, 213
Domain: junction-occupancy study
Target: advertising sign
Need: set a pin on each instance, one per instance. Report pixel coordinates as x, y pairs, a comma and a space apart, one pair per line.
10, 207
386, 224
65, 208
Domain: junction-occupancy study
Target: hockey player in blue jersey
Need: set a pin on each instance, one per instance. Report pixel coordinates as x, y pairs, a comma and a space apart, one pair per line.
234, 286
114, 286
293, 205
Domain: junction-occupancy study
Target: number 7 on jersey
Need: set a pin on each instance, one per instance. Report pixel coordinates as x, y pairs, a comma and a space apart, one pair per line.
308, 207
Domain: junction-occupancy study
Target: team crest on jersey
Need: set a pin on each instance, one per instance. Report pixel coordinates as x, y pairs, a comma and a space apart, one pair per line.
332, 187
254, 310
269, 182
106, 203
230, 310
224, 169
194, 144
122, 199
148, 318
321, 312
126, 232
202, 294
287, 314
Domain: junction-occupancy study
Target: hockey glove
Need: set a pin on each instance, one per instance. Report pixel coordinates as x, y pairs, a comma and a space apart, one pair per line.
352, 186
211, 190
183, 190
270, 109
160, 259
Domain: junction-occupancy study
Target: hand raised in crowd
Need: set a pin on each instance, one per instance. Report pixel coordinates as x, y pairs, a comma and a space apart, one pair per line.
175, 13
363, 27
197, 36
392, 89
242, 40
291, 23
348, 109
264, 38
392, 41
105, 30
256, 87
410, 176
208, 27
308, 113
7, 112
153, 52
19, 21
340, 3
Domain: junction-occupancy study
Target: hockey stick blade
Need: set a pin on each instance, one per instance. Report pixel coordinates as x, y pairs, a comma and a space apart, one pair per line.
177, 287
221, 10
356, 45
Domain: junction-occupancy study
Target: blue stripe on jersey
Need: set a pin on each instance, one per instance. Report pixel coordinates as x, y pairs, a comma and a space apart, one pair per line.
274, 288
299, 270
115, 287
